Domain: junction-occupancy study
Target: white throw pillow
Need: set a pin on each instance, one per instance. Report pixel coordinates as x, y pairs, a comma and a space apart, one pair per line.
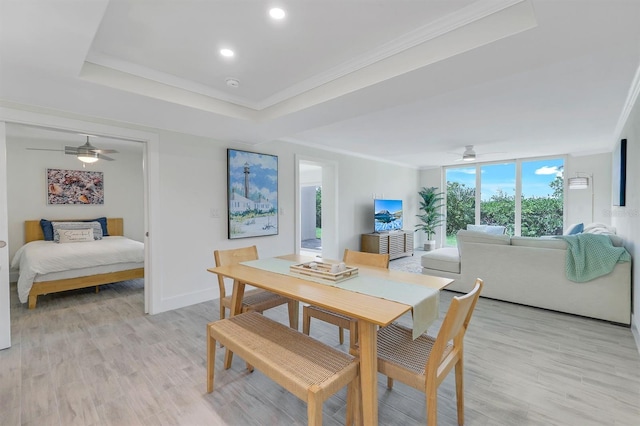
75, 235
57, 226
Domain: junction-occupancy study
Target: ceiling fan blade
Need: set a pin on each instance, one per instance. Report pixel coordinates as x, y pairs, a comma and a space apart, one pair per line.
44, 149
71, 150
104, 157
105, 151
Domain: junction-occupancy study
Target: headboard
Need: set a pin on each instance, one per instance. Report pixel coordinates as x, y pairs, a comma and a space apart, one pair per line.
33, 230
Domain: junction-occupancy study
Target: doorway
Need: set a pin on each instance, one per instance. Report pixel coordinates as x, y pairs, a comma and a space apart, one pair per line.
310, 209
150, 176
316, 206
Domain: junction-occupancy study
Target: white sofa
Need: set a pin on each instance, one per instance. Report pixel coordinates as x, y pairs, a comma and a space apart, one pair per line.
531, 271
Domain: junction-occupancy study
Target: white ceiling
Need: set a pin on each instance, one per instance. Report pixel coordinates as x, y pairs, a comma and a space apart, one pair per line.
406, 81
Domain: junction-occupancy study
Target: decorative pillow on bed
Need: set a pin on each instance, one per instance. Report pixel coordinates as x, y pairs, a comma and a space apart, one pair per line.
58, 226
103, 223
75, 235
47, 229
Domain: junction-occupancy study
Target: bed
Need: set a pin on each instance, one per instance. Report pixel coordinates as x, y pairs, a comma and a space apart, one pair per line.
49, 267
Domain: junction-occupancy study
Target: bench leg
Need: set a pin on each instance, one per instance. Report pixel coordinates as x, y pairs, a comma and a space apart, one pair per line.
314, 408
211, 360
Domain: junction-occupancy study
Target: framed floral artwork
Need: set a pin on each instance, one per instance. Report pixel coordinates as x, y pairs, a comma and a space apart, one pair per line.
74, 187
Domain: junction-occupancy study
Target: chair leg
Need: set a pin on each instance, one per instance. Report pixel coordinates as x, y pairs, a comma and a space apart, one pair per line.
294, 313
389, 383
432, 403
460, 391
314, 409
341, 335
354, 408
211, 360
228, 359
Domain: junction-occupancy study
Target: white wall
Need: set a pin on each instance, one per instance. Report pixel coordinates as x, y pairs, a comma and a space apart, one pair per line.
27, 192
193, 184
627, 219
578, 201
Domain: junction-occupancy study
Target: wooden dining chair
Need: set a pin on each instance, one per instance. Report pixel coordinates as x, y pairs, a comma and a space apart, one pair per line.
255, 300
424, 363
350, 257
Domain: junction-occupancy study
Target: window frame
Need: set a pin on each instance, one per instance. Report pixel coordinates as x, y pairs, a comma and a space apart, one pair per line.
518, 189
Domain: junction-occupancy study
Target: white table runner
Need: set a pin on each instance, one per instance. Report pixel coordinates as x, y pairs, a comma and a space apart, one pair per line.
423, 300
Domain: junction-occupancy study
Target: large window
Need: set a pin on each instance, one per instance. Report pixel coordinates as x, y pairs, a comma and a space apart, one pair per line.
526, 197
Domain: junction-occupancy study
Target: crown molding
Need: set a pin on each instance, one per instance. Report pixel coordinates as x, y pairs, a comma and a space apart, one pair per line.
455, 20
630, 102
301, 142
110, 62
111, 69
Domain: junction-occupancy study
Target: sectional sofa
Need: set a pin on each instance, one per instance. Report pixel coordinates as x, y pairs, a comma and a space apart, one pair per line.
531, 271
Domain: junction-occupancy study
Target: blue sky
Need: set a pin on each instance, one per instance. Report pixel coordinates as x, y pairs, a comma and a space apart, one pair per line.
536, 176
263, 177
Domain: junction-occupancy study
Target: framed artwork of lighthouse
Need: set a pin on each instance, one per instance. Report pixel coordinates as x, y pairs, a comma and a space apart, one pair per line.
252, 194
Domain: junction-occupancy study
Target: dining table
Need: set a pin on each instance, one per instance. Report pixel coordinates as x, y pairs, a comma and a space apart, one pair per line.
371, 311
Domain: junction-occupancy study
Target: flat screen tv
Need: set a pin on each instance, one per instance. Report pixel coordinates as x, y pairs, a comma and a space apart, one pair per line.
387, 215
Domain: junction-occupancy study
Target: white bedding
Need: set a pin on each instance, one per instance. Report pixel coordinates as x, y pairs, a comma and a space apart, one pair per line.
44, 257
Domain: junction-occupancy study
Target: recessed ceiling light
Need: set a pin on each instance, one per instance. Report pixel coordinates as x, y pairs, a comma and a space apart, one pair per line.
226, 52
276, 13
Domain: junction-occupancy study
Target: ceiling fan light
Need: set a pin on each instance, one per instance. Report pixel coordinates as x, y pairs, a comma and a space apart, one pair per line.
88, 157
468, 157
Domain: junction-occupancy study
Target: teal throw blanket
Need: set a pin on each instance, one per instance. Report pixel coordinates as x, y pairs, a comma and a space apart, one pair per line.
590, 256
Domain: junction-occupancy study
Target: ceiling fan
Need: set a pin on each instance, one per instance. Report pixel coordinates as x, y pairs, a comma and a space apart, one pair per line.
86, 153
469, 154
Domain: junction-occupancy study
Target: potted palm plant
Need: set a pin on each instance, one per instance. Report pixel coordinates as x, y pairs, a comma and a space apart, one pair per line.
431, 218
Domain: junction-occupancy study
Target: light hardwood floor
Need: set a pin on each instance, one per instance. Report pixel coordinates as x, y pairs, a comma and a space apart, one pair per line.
96, 359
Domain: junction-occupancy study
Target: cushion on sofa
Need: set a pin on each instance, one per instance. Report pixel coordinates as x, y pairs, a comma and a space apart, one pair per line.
551, 243
480, 237
444, 259
489, 229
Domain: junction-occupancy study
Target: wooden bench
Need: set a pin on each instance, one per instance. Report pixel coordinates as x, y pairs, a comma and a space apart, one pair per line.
307, 368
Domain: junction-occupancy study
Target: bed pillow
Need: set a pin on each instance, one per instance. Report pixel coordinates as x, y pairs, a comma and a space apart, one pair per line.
75, 235
47, 229
58, 226
103, 224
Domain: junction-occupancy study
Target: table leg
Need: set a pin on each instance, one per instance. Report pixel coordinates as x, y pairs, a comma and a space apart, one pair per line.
294, 313
236, 308
368, 338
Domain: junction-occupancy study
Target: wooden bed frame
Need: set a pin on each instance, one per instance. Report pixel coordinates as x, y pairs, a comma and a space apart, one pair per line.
33, 232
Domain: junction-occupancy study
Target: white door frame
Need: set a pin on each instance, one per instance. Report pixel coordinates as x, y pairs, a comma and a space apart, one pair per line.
152, 282
5, 297
329, 205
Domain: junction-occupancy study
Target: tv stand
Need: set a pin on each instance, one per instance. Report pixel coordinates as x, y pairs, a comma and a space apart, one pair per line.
396, 244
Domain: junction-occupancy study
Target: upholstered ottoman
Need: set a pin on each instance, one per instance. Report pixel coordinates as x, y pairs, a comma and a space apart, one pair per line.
444, 259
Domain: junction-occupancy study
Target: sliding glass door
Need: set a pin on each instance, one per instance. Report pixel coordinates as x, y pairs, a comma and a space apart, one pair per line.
524, 196
498, 195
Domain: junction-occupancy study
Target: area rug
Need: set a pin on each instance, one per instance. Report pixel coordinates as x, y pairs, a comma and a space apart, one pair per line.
408, 263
